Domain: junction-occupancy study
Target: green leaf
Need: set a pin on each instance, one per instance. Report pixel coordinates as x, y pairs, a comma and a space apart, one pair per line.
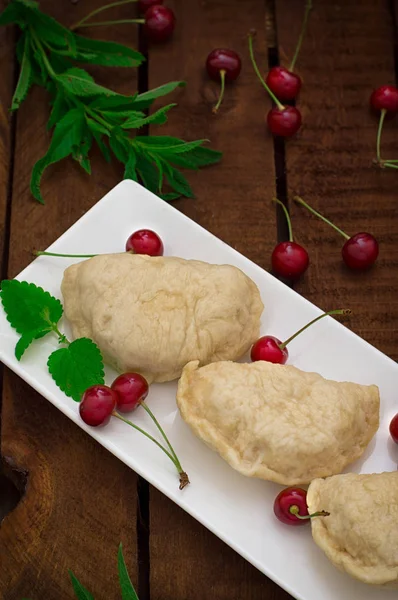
27, 338
59, 110
102, 146
123, 114
67, 135
79, 83
95, 126
28, 307
204, 156
126, 587
170, 196
159, 117
130, 168
11, 14
120, 146
166, 145
178, 182
109, 54
145, 100
77, 367
80, 153
116, 102
149, 174
25, 77
50, 31
80, 591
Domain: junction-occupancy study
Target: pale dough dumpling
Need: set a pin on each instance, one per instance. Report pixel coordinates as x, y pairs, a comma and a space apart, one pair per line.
152, 315
360, 536
276, 422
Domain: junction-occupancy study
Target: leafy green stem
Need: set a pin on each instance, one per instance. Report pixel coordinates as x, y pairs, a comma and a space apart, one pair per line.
61, 337
308, 8
257, 71
100, 9
43, 53
117, 22
94, 114
379, 130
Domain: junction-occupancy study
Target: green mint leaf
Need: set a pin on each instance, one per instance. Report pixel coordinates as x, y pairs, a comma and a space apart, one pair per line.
130, 171
123, 114
25, 77
149, 174
27, 338
80, 153
166, 145
120, 145
159, 117
50, 31
198, 157
109, 54
67, 135
170, 196
116, 102
178, 182
79, 83
60, 107
146, 99
97, 127
126, 587
28, 307
13, 13
77, 367
80, 591
102, 146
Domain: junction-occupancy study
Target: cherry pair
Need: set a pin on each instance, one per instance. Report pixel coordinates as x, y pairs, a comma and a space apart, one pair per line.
290, 260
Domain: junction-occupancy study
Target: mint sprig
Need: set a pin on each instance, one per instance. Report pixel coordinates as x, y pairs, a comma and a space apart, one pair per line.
84, 112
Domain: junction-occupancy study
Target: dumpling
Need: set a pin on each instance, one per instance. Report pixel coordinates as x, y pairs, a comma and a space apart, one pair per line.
276, 422
152, 315
360, 536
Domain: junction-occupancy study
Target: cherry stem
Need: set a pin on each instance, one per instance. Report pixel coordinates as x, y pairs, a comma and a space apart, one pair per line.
337, 311
294, 510
118, 22
308, 8
379, 130
183, 476
98, 10
163, 434
40, 253
317, 214
289, 222
221, 96
389, 164
255, 67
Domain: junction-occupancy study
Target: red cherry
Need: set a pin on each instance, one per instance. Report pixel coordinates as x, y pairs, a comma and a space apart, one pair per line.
268, 348
222, 59
289, 501
394, 428
159, 23
143, 5
97, 405
285, 84
145, 241
360, 251
131, 389
385, 98
284, 123
289, 260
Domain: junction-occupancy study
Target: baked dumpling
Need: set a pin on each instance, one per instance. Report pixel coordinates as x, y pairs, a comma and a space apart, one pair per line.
152, 315
360, 536
276, 422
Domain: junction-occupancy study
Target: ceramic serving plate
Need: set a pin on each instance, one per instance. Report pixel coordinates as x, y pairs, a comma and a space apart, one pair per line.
235, 508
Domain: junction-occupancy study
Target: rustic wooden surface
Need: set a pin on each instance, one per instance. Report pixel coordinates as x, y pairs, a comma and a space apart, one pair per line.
79, 501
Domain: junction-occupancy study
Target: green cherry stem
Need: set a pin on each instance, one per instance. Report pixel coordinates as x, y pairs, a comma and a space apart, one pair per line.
337, 311
294, 510
163, 434
389, 164
98, 10
40, 253
308, 8
379, 130
221, 96
184, 480
317, 214
289, 222
257, 71
117, 22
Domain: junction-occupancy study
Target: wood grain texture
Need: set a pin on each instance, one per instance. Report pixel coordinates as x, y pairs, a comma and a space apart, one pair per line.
233, 202
80, 501
347, 53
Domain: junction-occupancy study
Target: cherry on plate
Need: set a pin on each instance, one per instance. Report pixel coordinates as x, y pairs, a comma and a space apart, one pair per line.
283, 83
394, 428
159, 23
290, 507
145, 241
360, 251
131, 389
97, 405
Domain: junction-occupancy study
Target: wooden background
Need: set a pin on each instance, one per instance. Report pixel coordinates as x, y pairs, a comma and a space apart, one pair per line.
77, 501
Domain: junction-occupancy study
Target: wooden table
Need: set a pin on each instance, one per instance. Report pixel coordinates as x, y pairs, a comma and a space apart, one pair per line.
78, 501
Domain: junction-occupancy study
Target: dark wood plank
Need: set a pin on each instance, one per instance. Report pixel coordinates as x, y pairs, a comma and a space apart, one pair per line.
233, 202
80, 501
348, 52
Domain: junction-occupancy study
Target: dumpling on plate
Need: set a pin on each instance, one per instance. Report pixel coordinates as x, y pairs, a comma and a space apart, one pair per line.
277, 422
360, 536
153, 315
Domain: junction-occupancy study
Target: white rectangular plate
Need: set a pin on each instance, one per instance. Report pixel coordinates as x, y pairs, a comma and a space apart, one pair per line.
235, 508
